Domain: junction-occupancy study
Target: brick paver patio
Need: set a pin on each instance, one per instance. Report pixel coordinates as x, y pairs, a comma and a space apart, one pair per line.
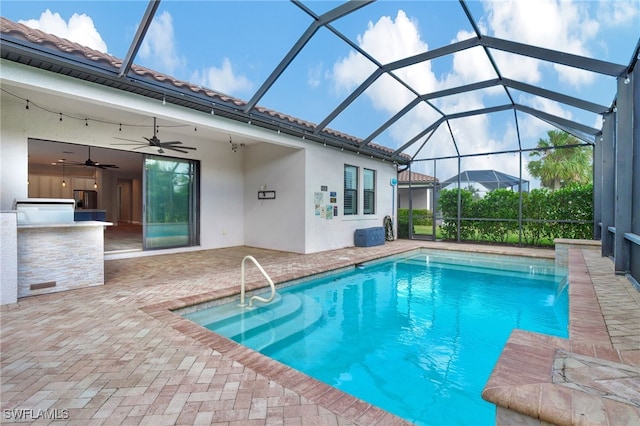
115, 354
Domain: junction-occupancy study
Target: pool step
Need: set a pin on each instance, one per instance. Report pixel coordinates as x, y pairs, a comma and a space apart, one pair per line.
218, 315
263, 326
273, 334
245, 321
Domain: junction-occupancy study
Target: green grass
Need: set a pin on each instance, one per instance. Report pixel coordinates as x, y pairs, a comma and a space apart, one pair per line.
511, 239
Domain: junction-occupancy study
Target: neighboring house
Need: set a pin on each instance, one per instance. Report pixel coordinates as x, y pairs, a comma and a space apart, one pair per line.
487, 179
421, 188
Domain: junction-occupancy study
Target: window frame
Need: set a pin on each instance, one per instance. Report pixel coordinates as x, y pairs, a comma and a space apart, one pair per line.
351, 210
371, 191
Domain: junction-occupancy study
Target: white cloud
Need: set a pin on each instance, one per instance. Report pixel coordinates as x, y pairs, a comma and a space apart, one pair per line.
80, 29
470, 65
552, 24
387, 40
159, 47
223, 79
562, 25
619, 12
314, 76
390, 39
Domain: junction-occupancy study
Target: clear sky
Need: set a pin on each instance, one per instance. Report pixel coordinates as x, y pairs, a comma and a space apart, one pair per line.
232, 47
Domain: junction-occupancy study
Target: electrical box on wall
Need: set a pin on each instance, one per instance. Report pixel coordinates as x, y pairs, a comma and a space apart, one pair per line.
266, 195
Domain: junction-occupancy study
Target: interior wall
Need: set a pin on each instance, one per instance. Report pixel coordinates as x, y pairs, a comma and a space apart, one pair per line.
125, 202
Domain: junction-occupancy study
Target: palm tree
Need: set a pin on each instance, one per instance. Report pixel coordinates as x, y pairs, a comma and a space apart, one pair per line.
558, 165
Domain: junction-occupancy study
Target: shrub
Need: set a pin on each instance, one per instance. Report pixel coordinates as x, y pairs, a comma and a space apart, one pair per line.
420, 217
544, 214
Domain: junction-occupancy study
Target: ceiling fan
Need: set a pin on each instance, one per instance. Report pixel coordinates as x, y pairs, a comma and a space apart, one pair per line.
154, 142
89, 163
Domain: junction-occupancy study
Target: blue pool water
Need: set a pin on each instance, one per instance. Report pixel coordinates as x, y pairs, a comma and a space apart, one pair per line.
416, 335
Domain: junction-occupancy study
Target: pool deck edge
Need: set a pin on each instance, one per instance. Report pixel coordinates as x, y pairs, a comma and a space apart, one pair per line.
530, 382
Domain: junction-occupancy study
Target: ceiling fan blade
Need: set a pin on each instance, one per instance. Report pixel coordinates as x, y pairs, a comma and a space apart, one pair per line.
154, 142
125, 139
172, 145
175, 149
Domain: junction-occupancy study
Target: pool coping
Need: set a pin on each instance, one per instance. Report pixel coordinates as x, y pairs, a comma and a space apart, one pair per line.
341, 403
523, 384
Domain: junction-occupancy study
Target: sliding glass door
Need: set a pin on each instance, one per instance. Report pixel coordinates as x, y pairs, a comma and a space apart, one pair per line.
171, 216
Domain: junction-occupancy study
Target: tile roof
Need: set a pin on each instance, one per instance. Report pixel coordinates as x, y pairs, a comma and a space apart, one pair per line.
88, 56
403, 177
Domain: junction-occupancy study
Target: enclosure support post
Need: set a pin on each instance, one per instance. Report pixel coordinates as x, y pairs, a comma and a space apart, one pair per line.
459, 202
597, 185
410, 230
624, 173
434, 201
520, 202
607, 205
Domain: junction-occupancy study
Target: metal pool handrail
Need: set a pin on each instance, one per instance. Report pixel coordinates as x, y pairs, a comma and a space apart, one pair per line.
242, 284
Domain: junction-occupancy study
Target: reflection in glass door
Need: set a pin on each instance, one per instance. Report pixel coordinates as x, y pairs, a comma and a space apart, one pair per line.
170, 203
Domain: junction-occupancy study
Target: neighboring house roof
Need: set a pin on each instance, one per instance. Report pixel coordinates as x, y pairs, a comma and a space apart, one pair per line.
490, 179
25, 45
416, 178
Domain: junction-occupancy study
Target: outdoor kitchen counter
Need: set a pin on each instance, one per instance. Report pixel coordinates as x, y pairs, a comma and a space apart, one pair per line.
55, 257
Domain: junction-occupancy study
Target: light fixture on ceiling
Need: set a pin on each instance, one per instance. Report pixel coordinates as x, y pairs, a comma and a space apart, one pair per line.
64, 183
627, 79
235, 146
164, 100
95, 180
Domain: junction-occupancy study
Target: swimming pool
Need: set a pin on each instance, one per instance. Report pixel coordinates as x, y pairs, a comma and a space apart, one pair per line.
415, 334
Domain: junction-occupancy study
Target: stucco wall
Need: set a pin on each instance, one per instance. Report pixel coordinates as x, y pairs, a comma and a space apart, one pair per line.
325, 167
231, 213
275, 223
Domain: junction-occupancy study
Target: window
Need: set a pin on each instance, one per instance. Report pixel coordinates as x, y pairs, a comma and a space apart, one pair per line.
369, 191
350, 190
